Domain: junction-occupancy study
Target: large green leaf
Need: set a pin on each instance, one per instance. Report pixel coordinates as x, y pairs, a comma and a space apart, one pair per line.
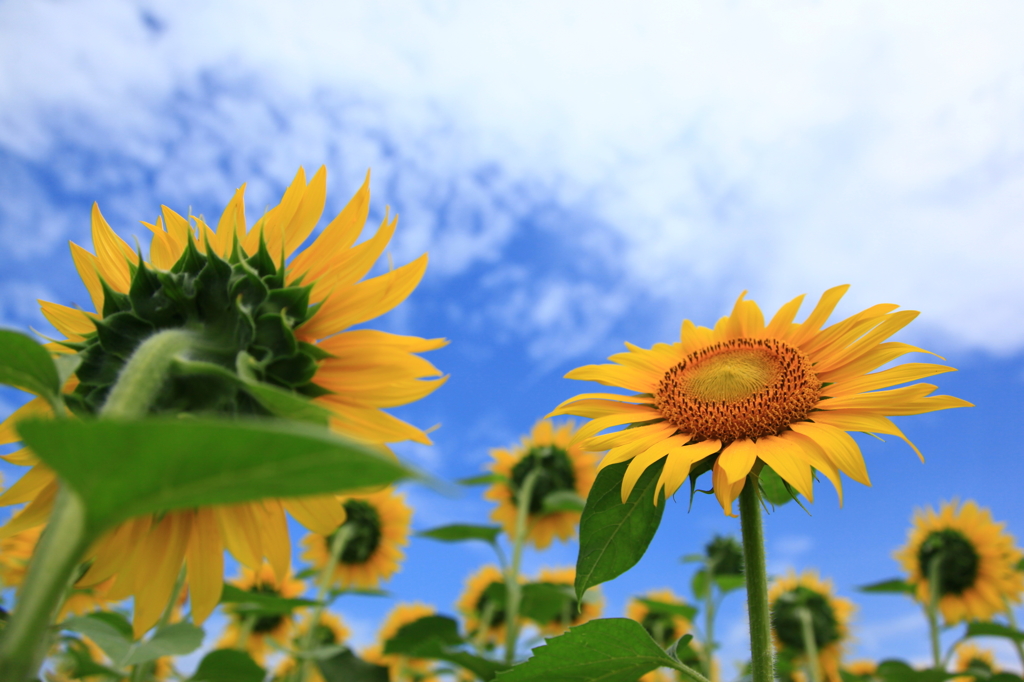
547, 602
108, 634
175, 639
614, 535
113, 633
563, 501
122, 469
893, 670
347, 667
457, 532
684, 610
604, 650
438, 637
228, 665
258, 604
993, 630
893, 586
26, 365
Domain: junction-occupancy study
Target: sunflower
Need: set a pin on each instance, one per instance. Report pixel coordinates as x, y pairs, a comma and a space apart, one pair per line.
292, 313
664, 628
861, 668
379, 524
974, 660
782, 393
402, 668
15, 552
830, 617
563, 467
477, 604
328, 632
977, 569
279, 628
576, 613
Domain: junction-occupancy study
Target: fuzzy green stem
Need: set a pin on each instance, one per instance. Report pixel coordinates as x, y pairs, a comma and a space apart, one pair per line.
25, 640
762, 660
690, 672
338, 542
932, 610
810, 643
145, 373
513, 590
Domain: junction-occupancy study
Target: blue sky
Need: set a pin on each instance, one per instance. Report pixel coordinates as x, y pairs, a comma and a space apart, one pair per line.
579, 178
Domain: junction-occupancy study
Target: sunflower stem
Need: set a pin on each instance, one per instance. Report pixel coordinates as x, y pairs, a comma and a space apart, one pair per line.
144, 374
338, 542
1013, 624
50, 570
932, 609
513, 589
762, 660
810, 643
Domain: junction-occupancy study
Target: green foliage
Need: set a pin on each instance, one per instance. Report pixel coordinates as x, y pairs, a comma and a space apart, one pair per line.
438, 637
458, 532
774, 489
614, 535
605, 650
684, 610
563, 501
898, 671
228, 665
483, 479
112, 633
892, 586
347, 667
122, 469
259, 604
993, 630
26, 365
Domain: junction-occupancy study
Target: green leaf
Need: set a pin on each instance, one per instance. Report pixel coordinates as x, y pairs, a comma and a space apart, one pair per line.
483, 479
993, 630
458, 532
1020, 565
684, 610
605, 650
82, 663
26, 365
436, 637
614, 535
228, 665
66, 364
897, 671
692, 559
347, 667
893, 586
563, 501
547, 602
258, 604
699, 584
730, 583
175, 639
123, 469
107, 635
775, 489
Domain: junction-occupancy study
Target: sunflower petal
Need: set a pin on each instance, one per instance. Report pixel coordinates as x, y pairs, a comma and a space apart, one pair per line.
725, 492
205, 560
679, 462
839, 447
737, 459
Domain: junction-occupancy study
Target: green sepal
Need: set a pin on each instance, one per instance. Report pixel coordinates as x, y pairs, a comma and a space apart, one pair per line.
113, 301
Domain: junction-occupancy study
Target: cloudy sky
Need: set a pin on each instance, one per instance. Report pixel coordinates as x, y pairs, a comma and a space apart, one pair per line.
581, 174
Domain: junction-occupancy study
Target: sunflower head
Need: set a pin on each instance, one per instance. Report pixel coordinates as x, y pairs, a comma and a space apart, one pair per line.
557, 465
745, 394
725, 555
791, 600
665, 628
978, 663
575, 613
402, 668
329, 631
972, 556
276, 627
482, 605
378, 527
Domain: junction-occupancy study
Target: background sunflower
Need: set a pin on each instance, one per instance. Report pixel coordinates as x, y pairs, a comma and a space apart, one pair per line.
589, 609
830, 619
279, 628
475, 604
401, 668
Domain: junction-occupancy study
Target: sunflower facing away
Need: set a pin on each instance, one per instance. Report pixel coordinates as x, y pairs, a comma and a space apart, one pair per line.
664, 628
402, 668
977, 561
279, 628
283, 317
563, 466
971, 658
481, 605
575, 613
830, 617
379, 525
328, 632
784, 393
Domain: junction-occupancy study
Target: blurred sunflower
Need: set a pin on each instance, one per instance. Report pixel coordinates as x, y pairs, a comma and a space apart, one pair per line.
977, 662
328, 632
562, 466
782, 393
279, 315
402, 668
482, 605
575, 613
379, 527
15, 552
861, 668
277, 627
830, 617
664, 628
977, 561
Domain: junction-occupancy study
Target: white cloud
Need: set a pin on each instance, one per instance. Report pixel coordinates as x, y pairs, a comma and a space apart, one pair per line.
780, 147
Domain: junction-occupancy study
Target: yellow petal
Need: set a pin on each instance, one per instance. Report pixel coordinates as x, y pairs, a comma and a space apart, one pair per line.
205, 557
737, 459
112, 253
629, 414
37, 407
809, 327
679, 462
27, 487
813, 455
34, 514
849, 420
639, 465
783, 319
338, 236
161, 556
839, 447
912, 371
72, 323
113, 549
276, 545
241, 533
88, 270
784, 457
631, 447
231, 225
725, 492
322, 514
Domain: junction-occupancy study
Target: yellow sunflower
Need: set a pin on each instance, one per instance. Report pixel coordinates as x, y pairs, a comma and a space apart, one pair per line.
402, 668
292, 313
562, 465
476, 603
971, 658
830, 618
784, 393
664, 628
279, 628
576, 613
977, 574
862, 668
328, 632
380, 527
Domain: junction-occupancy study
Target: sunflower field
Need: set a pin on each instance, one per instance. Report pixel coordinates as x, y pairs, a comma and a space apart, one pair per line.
229, 381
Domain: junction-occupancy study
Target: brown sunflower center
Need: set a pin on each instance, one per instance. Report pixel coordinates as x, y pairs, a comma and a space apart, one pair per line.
743, 388
364, 526
788, 623
958, 560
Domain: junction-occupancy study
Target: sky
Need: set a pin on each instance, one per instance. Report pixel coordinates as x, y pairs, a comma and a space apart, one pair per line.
580, 175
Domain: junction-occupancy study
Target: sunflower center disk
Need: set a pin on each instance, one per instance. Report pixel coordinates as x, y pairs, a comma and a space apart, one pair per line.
363, 524
743, 388
493, 598
788, 624
266, 624
555, 473
958, 560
